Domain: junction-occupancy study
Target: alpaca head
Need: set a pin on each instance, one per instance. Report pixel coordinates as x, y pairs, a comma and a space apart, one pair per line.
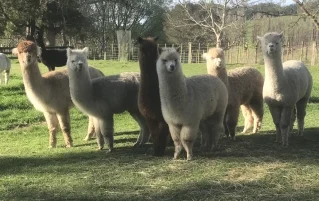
147, 46
27, 53
77, 59
271, 43
215, 58
168, 61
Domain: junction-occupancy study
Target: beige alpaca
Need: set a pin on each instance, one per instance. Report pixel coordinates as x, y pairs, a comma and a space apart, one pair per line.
190, 103
49, 93
244, 86
5, 66
101, 98
287, 87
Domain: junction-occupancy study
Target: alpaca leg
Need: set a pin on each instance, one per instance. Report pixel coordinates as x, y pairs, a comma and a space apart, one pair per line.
6, 76
284, 124
205, 137
276, 115
226, 131
216, 128
98, 133
247, 113
64, 120
160, 134
175, 133
52, 122
292, 121
188, 137
232, 119
257, 109
301, 113
106, 127
91, 131
144, 134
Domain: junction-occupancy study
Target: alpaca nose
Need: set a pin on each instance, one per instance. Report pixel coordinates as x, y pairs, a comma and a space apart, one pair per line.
171, 67
29, 58
271, 45
80, 65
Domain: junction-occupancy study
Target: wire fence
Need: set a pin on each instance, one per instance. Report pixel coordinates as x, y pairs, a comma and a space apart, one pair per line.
242, 53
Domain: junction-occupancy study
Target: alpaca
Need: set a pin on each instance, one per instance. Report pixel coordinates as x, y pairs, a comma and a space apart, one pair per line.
104, 97
5, 66
49, 93
287, 87
188, 102
50, 58
149, 98
244, 86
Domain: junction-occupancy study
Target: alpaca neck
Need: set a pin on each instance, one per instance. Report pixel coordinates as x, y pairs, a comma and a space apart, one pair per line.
32, 77
174, 89
221, 73
81, 88
274, 72
148, 70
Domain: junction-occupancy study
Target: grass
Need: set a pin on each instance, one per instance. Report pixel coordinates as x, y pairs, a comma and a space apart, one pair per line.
251, 168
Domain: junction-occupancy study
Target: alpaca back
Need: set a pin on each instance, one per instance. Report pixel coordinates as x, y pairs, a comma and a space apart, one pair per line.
117, 93
244, 83
5, 63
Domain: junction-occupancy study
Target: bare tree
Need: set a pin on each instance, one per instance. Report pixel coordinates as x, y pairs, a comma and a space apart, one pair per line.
312, 16
213, 16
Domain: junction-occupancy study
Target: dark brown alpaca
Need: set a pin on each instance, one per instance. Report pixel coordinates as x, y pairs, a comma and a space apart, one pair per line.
149, 99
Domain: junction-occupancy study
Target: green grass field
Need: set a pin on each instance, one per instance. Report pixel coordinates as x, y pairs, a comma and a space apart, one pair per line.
251, 168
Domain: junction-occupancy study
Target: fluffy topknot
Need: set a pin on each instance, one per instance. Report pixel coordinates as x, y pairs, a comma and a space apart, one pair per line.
27, 46
216, 52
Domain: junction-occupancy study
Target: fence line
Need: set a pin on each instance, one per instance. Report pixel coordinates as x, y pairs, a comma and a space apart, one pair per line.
243, 53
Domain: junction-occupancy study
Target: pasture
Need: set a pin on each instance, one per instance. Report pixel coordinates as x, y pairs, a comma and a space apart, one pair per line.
251, 168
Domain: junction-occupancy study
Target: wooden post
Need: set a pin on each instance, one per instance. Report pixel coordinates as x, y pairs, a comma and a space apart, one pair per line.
104, 55
112, 50
314, 53
189, 52
302, 49
256, 52
237, 53
198, 52
288, 47
181, 52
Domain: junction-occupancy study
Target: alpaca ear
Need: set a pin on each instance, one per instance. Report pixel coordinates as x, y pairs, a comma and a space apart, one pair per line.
68, 52
139, 39
178, 49
281, 35
259, 38
160, 50
15, 51
85, 50
205, 55
155, 38
39, 51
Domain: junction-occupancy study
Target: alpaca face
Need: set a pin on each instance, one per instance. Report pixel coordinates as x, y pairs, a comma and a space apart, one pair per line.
214, 57
271, 43
168, 60
27, 53
77, 59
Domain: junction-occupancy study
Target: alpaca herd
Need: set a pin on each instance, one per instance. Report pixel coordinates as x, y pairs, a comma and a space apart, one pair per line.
163, 101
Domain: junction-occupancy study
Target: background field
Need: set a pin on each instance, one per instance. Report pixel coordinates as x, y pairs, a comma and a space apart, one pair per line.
251, 168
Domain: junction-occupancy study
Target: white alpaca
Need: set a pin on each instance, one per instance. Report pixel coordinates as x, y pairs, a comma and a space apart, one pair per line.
5, 66
287, 85
245, 87
188, 103
49, 93
104, 97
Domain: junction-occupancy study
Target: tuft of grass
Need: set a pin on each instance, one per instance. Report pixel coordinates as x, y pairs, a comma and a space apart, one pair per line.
251, 168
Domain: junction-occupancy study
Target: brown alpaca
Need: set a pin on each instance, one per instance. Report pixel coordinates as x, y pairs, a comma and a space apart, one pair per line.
149, 98
49, 93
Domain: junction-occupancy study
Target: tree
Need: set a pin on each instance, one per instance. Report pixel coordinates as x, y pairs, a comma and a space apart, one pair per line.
214, 17
314, 4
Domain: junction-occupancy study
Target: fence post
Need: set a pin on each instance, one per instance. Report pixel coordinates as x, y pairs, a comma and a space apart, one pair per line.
314, 53
288, 48
256, 52
302, 49
112, 50
198, 52
181, 52
104, 55
189, 52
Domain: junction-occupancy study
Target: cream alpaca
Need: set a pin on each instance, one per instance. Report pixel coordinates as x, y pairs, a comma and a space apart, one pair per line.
5, 66
49, 93
287, 85
104, 97
188, 102
244, 86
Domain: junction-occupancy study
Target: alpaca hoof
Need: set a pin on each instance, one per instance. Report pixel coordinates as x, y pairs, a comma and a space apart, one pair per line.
137, 145
109, 151
189, 158
52, 146
285, 144
68, 145
100, 148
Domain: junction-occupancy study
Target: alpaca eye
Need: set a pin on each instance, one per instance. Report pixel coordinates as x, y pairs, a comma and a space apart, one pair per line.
164, 60
277, 43
73, 61
175, 60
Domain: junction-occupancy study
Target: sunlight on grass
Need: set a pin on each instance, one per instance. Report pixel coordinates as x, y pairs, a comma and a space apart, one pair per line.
251, 168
